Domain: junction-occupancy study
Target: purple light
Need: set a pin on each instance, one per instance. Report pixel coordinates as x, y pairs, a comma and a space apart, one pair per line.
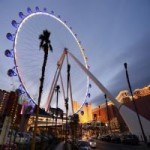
86, 104
9, 53
27, 108
21, 15
19, 91
90, 85
52, 12
82, 112
37, 8
29, 10
10, 36
89, 95
15, 24
11, 73
45, 10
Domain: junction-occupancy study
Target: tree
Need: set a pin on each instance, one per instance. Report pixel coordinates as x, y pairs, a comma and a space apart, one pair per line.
45, 44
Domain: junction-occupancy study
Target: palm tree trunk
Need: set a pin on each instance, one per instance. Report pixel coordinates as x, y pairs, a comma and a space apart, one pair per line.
39, 98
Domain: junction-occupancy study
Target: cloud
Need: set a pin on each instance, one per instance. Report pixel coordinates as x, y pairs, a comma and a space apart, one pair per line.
137, 56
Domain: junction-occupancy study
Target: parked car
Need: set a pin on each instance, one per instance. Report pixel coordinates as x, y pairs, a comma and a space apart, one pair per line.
21, 138
83, 145
92, 143
9, 147
115, 139
106, 138
129, 139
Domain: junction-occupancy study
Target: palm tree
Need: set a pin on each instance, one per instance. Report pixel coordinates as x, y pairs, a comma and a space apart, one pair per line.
45, 44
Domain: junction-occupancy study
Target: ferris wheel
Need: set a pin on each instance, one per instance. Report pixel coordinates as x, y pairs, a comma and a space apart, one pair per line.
27, 57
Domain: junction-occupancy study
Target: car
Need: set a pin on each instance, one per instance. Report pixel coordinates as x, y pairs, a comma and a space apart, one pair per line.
92, 143
83, 145
106, 138
130, 139
115, 139
20, 138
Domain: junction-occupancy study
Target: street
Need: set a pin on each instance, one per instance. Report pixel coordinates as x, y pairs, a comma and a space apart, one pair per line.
112, 146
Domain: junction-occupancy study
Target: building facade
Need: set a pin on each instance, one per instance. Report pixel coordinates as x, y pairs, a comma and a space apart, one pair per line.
108, 114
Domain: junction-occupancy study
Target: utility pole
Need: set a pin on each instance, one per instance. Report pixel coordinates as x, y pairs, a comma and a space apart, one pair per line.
136, 110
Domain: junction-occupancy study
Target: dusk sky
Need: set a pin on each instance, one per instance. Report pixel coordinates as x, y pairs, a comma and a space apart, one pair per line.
112, 32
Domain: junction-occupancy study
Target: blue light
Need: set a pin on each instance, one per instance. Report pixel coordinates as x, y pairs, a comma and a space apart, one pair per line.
15, 24
11, 73
86, 104
88, 94
19, 91
90, 85
82, 112
9, 53
29, 10
21, 15
75, 35
45, 10
37, 9
10, 36
52, 12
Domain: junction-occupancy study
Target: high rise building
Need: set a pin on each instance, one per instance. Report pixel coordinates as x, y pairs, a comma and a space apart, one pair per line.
8, 106
4, 95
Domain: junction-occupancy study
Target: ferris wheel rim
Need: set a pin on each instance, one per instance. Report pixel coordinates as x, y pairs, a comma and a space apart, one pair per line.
29, 16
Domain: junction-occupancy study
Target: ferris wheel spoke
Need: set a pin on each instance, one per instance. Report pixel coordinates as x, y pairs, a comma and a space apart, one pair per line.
28, 58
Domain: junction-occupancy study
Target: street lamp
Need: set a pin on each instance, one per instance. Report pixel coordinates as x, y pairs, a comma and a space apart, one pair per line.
136, 110
108, 117
57, 89
99, 111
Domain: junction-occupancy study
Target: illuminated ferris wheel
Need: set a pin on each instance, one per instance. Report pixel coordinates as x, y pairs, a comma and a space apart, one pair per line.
27, 57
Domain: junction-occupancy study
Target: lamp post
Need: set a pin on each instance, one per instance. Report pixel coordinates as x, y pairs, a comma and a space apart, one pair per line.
66, 101
136, 110
99, 111
57, 91
108, 118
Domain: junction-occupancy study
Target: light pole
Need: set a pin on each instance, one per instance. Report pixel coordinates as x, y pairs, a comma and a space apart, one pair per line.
108, 117
66, 101
57, 91
99, 111
141, 126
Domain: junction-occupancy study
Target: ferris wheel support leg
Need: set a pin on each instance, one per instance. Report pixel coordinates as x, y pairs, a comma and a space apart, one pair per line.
51, 89
127, 114
95, 80
59, 64
62, 85
71, 97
